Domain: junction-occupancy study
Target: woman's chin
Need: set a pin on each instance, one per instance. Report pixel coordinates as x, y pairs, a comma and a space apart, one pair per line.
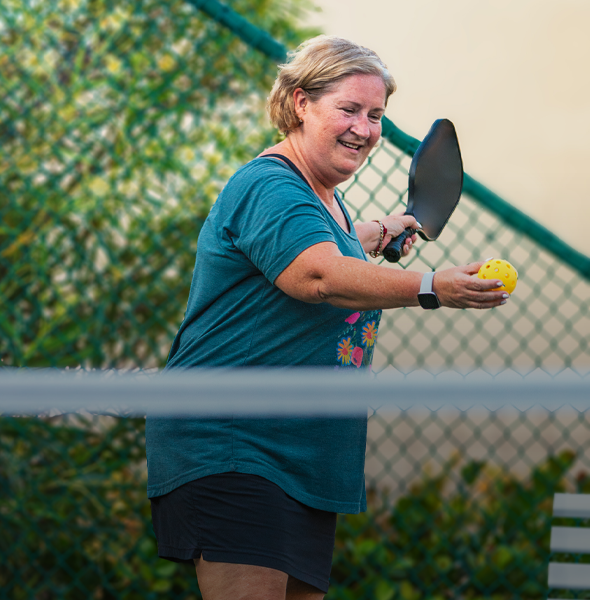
348, 168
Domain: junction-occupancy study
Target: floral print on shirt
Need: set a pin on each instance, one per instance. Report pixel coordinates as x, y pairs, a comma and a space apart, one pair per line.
345, 351
356, 342
369, 334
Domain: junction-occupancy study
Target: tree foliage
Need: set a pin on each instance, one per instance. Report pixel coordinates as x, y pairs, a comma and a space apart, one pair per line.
120, 123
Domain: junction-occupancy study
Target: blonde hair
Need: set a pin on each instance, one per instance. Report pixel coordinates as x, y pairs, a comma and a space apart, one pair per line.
316, 66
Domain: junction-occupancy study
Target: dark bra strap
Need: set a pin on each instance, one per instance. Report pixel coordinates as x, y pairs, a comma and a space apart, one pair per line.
290, 163
298, 172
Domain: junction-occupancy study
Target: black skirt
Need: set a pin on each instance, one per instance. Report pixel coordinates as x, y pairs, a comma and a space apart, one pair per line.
245, 519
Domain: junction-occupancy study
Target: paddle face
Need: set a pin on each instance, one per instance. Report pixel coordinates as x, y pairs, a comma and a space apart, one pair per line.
435, 183
436, 179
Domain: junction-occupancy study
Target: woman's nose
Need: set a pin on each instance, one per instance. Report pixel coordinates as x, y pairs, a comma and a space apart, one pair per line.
361, 127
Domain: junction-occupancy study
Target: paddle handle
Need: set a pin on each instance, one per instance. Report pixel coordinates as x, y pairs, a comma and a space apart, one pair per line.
393, 251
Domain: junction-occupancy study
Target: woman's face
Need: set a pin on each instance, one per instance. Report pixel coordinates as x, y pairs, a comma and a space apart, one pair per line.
342, 127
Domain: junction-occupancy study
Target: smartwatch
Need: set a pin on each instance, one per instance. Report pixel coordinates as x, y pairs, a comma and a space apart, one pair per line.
426, 296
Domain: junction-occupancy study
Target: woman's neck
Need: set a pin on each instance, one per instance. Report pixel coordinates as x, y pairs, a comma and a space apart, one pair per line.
291, 150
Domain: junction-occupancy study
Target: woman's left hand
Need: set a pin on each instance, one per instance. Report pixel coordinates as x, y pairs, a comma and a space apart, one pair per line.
368, 232
395, 225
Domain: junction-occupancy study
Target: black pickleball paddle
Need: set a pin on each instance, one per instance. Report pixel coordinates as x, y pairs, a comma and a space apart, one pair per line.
435, 184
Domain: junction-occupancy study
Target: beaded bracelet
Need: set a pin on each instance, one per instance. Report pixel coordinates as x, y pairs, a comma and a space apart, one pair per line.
382, 234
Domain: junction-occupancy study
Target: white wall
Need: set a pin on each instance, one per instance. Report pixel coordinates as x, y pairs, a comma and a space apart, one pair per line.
513, 75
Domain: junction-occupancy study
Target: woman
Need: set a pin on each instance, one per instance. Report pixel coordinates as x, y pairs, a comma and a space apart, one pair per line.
281, 278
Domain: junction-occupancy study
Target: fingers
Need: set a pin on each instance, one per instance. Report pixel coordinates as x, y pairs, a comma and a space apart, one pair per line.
488, 303
407, 248
485, 293
477, 284
484, 305
397, 223
480, 301
473, 268
408, 244
410, 221
486, 299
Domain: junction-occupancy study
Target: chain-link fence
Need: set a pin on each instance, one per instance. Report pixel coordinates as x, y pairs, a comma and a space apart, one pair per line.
120, 123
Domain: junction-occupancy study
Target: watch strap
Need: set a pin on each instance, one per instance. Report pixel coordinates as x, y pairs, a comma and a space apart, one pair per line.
426, 285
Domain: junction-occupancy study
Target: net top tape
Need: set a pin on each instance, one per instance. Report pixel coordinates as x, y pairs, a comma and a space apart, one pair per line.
260, 392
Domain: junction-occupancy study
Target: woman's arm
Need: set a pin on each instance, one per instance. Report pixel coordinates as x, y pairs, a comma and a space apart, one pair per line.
322, 274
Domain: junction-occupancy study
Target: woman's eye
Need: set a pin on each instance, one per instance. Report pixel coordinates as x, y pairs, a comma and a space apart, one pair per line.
348, 110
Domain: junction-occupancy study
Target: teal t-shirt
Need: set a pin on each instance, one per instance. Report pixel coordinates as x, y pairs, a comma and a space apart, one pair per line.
236, 317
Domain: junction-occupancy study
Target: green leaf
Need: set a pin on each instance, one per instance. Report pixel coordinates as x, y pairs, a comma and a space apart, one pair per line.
384, 591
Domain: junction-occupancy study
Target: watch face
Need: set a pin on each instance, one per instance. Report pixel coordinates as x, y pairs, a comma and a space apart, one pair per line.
428, 300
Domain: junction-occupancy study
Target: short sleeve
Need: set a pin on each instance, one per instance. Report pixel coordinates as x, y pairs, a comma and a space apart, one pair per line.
276, 216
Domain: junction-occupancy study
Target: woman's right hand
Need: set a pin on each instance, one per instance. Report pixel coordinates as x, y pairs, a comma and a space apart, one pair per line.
458, 288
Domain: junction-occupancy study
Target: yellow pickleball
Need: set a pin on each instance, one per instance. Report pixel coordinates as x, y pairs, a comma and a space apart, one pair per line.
501, 270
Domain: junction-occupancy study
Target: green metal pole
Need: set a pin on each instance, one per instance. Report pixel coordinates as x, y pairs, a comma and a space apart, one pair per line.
254, 36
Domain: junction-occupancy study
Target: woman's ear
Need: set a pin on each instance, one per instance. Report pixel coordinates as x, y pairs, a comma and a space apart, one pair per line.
300, 101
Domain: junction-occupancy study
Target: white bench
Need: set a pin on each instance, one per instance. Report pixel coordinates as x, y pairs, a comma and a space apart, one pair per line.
571, 540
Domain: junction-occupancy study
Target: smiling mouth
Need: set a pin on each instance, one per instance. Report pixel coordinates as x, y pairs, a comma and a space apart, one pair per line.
351, 146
